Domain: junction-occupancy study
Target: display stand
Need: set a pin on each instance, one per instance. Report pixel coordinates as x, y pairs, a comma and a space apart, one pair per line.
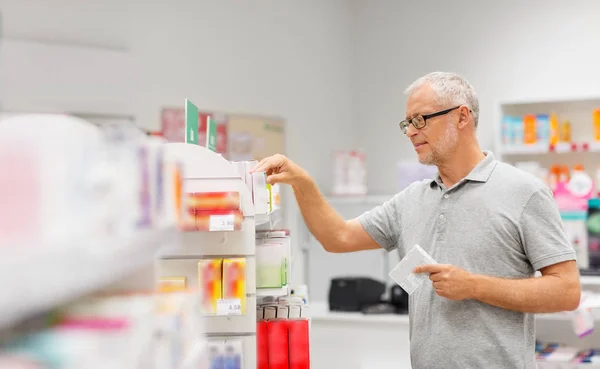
206, 171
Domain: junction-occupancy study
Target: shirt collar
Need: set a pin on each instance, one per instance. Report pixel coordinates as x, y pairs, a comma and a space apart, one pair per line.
481, 173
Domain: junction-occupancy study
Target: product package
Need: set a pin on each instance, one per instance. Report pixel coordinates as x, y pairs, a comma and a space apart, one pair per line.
262, 345
172, 284
273, 255
234, 281
225, 354
210, 285
214, 200
403, 271
278, 341
260, 193
593, 233
299, 346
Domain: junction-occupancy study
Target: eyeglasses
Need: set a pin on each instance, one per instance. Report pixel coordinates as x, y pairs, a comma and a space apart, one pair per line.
420, 120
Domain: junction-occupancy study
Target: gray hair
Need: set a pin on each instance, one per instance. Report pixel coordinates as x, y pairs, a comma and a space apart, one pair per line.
450, 89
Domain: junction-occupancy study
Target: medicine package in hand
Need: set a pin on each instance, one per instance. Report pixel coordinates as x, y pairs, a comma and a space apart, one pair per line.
403, 271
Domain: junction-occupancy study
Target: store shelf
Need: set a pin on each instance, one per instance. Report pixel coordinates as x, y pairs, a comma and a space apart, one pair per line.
320, 312
276, 292
272, 219
233, 324
44, 277
589, 280
561, 148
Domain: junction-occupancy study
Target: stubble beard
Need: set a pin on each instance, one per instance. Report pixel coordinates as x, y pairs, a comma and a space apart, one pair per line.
445, 147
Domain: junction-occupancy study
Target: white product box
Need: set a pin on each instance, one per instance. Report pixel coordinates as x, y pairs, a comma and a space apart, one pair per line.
403, 271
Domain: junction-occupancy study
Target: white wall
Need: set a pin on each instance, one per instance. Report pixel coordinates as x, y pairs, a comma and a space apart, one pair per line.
274, 57
507, 49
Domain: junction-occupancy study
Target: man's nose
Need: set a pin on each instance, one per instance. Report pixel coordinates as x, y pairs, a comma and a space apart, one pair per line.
411, 131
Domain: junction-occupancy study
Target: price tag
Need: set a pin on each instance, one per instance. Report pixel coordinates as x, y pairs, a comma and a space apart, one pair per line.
229, 307
222, 223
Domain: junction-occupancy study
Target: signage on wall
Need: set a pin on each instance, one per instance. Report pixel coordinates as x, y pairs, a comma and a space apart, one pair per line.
236, 137
191, 123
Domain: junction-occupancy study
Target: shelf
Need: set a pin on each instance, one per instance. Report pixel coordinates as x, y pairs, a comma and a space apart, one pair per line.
38, 279
276, 292
589, 280
561, 148
320, 312
233, 324
271, 219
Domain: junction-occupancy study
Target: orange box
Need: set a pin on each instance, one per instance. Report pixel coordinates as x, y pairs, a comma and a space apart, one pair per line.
529, 133
210, 273
234, 280
172, 284
597, 125
214, 200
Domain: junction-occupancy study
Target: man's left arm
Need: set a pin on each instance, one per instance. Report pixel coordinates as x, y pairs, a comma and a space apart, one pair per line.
549, 251
556, 290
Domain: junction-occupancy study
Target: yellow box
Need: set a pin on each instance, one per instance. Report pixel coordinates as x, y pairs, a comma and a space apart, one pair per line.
234, 280
172, 284
209, 283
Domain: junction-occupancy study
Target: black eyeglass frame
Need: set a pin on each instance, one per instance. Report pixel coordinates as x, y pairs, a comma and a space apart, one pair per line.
423, 118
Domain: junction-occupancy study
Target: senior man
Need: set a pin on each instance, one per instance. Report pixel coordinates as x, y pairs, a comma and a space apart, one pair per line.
489, 225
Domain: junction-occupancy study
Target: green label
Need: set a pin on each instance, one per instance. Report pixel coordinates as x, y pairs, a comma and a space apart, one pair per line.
191, 123
211, 134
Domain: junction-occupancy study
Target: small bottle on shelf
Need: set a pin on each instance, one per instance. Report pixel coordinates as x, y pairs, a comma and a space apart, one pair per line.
597, 190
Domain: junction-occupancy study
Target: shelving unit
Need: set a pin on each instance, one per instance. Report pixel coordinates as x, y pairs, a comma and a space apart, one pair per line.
96, 265
582, 149
275, 292
207, 171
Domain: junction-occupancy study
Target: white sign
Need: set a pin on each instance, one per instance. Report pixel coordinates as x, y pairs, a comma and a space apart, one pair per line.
229, 307
222, 223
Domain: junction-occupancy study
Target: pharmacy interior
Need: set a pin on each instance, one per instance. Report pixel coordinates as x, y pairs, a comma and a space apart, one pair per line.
134, 235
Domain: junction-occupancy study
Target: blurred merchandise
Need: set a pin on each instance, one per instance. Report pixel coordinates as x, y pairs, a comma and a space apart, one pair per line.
593, 232
273, 259
238, 137
349, 173
282, 333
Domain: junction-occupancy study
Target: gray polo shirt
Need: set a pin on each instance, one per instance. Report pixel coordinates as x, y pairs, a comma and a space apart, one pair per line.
498, 221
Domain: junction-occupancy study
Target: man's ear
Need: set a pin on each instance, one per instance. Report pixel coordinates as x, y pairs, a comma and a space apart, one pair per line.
463, 117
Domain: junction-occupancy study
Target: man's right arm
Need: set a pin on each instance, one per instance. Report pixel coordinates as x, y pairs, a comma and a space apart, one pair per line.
329, 228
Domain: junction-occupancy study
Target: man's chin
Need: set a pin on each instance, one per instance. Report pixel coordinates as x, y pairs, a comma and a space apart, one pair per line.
426, 159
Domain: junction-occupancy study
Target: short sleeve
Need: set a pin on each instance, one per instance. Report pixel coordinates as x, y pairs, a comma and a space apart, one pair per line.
542, 232
383, 222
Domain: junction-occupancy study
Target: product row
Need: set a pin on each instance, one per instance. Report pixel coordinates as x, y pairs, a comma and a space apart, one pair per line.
532, 129
120, 331
85, 182
224, 354
283, 307
273, 259
283, 344
219, 280
557, 356
265, 197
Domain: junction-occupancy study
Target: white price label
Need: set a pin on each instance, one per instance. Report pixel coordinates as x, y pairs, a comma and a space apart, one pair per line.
222, 223
229, 307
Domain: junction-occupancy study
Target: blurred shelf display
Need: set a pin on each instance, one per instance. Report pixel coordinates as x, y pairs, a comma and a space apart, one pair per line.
61, 277
558, 148
228, 222
558, 141
119, 250
276, 292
